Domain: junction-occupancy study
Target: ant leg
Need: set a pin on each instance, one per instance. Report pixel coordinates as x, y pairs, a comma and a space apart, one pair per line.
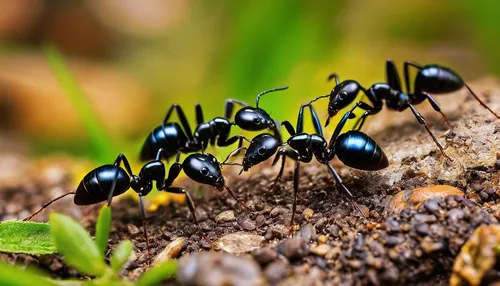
45, 205
481, 102
229, 106
421, 120
295, 191
437, 108
277, 133
235, 198
173, 173
182, 118
406, 66
348, 115
339, 182
199, 114
283, 152
121, 158
144, 226
189, 200
392, 76
315, 120
289, 128
159, 154
333, 76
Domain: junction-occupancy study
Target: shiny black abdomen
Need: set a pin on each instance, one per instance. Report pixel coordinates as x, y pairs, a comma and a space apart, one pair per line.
358, 150
168, 136
437, 79
96, 185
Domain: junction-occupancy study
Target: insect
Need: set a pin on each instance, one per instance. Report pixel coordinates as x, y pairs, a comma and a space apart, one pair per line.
429, 79
107, 181
354, 148
175, 140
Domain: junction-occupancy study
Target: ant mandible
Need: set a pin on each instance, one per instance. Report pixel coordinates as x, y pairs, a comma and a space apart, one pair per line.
107, 181
174, 140
430, 79
354, 148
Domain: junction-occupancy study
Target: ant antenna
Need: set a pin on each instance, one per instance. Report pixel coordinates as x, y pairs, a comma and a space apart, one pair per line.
267, 91
45, 205
333, 76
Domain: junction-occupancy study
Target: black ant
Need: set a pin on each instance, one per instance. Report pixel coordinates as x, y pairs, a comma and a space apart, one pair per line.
107, 181
354, 148
430, 78
174, 140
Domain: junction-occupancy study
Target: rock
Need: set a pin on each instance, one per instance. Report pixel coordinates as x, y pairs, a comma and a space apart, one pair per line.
306, 232
477, 257
214, 269
172, 250
321, 250
308, 213
334, 230
414, 198
276, 271
264, 255
293, 248
246, 222
238, 243
429, 246
225, 216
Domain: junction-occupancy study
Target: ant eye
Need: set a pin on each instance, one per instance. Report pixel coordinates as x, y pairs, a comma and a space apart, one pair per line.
343, 95
256, 120
204, 171
262, 150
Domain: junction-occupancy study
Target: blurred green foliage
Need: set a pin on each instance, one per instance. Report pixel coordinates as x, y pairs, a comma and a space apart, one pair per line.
235, 49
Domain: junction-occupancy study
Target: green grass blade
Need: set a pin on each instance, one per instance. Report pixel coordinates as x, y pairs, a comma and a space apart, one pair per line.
98, 136
13, 276
158, 273
26, 237
102, 229
76, 245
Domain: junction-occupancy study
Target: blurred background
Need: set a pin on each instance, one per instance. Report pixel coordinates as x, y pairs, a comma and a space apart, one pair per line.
133, 59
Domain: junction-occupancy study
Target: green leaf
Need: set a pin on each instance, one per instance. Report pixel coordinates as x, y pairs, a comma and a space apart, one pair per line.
158, 273
26, 237
102, 229
13, 276
121, 254
98, 135
76, 245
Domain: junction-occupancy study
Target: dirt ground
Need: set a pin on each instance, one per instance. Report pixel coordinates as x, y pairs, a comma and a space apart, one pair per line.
332, 243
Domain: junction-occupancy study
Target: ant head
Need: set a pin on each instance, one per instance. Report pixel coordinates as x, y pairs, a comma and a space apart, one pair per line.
342, 95
262, 147
204, 169
254, 119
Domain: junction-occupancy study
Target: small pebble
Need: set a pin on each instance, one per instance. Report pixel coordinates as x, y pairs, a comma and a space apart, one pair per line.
308, 213
276, 271
246, 222
393, 241
172, 250
225, 216
422, 229
429, 246
306, 232
321, 250
293, 248
264, 255
334, 230
322, 239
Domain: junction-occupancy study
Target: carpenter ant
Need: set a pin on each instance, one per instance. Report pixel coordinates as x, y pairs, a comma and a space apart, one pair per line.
174, 140
107, 181
430, 78
354, 148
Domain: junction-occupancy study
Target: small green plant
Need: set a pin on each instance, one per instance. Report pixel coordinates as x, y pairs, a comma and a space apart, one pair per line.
26, 237
87, 256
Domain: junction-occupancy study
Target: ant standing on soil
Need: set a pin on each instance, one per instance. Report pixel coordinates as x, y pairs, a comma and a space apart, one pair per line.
354, 148
430, 78
174, 140
107, 181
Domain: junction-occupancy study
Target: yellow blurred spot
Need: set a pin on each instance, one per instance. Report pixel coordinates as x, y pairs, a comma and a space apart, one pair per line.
165, 199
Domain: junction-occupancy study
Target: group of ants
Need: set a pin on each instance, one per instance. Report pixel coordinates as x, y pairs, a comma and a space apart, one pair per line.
353, 148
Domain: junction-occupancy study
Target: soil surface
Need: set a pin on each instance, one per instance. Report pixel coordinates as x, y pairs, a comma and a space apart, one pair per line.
332, 243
